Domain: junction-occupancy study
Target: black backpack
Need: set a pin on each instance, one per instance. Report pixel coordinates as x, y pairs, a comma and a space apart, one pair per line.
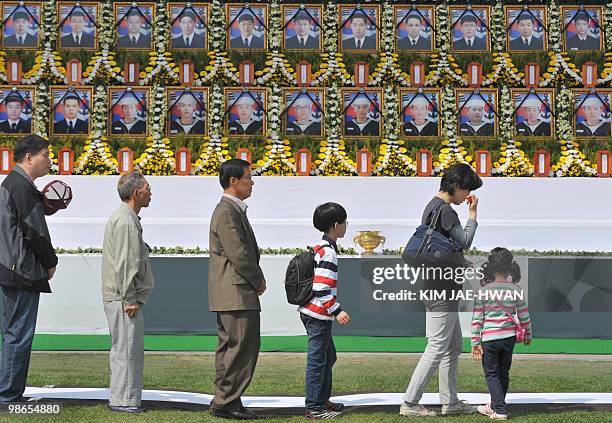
299, 276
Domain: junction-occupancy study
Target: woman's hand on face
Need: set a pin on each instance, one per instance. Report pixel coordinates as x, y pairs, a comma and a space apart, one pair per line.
472, 201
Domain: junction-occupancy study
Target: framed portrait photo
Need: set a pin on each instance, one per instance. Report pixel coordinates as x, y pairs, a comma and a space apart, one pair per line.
526, 28
21, 25
582, 28
414, 28
420, 112
189, 26
77, 25
16, 109
533, 113
247, 25
476, 112
302, 27
245, 112
303, 116
362, 112
592, 113
129, 108
470, 28
359, 28
187, 112
71, 111
134, 29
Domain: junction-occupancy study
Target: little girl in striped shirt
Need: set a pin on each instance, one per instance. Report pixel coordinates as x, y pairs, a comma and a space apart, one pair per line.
500, 320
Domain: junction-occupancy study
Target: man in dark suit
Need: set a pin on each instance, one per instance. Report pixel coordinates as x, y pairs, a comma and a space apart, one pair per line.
420, 125
303, 124
235, 282
130, 123
15, 104
21, 37
359, 24
526, 40
302, 38
78, 37
187, 123
533, 126
134, 38
246, 39
188, 38
469, 26
582, 40
414, 41
475, 126
245, 125
71, 124
362, 124
593, 125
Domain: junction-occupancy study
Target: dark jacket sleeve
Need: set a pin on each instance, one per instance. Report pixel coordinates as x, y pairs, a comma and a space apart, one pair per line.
30, 209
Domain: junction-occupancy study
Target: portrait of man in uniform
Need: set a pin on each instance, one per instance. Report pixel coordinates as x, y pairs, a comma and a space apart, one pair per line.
16, 111
420, 114
135, 27
582, 28
359, 28
362, 114
188, 26
70, 111
477, 114
304, 113
129, 112
469, 29
247, 27
414, 27
21, 25
78, 26
246, 112
592, 117
525, 29
533, 115
302, 28
187, 112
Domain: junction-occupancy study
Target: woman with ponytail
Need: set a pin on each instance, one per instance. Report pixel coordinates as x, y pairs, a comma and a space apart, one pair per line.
500, 320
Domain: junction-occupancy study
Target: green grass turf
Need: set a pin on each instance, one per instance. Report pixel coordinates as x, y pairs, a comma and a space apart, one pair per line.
298, 344
284, 375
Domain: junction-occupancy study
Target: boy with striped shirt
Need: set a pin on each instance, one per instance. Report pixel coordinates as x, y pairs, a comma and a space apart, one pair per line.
318, 314
494, 330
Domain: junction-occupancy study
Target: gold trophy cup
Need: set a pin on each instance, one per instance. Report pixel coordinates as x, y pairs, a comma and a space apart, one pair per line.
369, 240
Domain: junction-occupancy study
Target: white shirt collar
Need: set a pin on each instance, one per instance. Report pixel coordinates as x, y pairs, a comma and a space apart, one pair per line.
188, 37
137, 36
416, 40
243, 206
527, 38
470, 40
71, 120
129, 125
13, 121
249, 38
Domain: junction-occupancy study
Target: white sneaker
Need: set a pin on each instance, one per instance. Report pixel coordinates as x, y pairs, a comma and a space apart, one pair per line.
485, 410
496, 416
460, 407
415, 410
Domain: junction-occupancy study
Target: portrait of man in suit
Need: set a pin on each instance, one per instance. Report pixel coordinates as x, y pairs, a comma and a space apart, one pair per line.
14, 107
246, 38
466, 33
129, 116
187, 114
302, 30
593, 116
527, 39
188, 31
242, 120
355, 31
301, 116
582, 32
529, 119
420, 115
136, 37
358, 117
411, 29
66, 120
19, 29
78, 30
472, 119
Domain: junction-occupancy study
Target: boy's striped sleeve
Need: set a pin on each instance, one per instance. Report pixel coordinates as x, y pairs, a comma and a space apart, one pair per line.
477, 320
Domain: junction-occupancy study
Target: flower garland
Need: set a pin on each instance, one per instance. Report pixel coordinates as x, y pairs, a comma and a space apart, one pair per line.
161, 68
40, 120
388, 71
96, 158
277, 160
513, 161
443, 68
332, 67
332, 159
392, 159
214, 151
572, 161
158, 158
3, 77
103, 65
452, 152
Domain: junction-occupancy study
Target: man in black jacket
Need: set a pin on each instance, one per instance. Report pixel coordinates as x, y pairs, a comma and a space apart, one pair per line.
78, 37
27, 261
414, 40
469, 41
14, 124
302, 38
189, 38
21, 36
71, 124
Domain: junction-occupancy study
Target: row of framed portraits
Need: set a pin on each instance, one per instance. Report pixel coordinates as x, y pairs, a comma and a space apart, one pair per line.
247, 27
304, 110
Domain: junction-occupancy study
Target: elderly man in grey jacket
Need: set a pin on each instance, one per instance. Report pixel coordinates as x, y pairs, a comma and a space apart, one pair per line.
127, 281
